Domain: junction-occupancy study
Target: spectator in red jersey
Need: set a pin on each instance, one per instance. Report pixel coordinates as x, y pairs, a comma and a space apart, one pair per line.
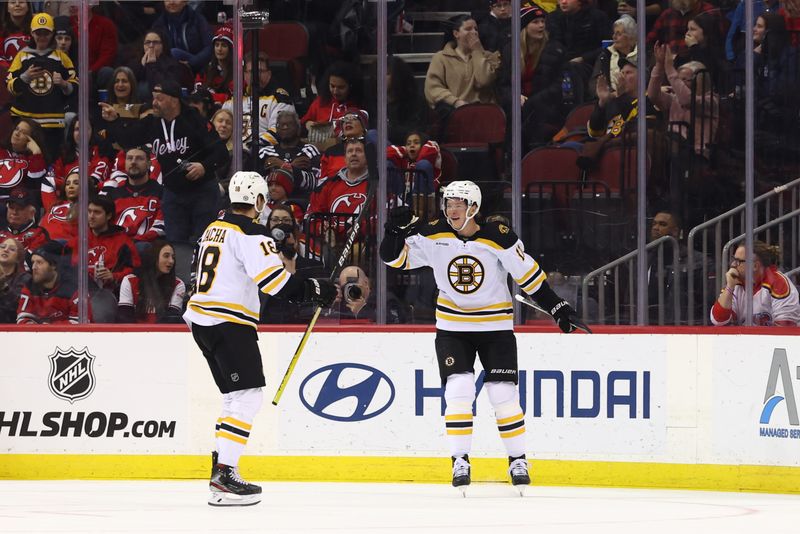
22, 160
48, 297
15, 25
21, 220
12, 278
218, 74
100, 155
281, 185
354, 125
339, 90
153, 294
61, 222
343, 194
137, 200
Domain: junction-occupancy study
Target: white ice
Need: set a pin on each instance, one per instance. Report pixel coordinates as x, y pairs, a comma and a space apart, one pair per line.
180, 506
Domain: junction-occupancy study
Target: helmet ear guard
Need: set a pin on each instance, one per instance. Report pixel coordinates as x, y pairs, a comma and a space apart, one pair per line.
245, 187
462, 190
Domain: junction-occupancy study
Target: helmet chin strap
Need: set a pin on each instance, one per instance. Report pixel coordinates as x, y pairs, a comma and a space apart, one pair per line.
466, 221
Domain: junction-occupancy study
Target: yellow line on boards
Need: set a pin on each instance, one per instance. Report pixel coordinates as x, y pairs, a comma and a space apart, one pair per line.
772, 479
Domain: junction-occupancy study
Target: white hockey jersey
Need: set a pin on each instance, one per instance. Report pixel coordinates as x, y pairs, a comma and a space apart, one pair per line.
774, 303
472, 274
235, 259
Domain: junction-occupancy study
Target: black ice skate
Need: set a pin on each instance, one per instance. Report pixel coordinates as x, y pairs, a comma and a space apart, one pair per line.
228, 488
214, 461
518, 469
461, 473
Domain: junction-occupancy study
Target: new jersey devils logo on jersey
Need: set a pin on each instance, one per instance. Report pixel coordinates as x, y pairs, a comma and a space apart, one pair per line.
71, 374
95, 253
59, 213
134, 217
349, 203
12, 171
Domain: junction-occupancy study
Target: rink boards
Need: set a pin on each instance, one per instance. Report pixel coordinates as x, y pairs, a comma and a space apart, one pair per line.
680, 410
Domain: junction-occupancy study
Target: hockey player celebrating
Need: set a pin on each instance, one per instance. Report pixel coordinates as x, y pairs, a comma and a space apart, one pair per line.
474, 313
235, 259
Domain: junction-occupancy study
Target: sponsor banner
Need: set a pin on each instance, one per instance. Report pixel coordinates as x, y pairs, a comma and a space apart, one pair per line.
756, 393
357, 394
93, 393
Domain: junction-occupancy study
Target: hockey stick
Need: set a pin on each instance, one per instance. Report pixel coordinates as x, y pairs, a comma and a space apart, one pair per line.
577, 324
356, 228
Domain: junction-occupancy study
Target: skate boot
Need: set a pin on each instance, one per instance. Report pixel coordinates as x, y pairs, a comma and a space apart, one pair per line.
461, 473
228, 488
214, 461
518, 469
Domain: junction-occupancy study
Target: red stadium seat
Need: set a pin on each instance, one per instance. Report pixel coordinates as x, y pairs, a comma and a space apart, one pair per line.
579, 116
474, 129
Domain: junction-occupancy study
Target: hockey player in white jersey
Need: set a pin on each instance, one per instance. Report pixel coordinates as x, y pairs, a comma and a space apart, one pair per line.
474, 314
235, 260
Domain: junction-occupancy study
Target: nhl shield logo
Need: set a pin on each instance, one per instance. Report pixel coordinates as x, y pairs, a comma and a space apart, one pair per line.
71, 374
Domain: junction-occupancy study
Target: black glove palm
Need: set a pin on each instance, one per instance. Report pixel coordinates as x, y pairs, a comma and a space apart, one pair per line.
319, 291
565, 316
402, 222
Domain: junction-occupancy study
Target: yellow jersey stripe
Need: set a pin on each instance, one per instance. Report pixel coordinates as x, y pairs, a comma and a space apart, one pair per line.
275, 283
237, 423
528, 274
441, 235
266, 272
449, 304
459, 431
536, 283
489, 243
399, 263
232, 437
476, 319
230, 305
226, 225
224, 317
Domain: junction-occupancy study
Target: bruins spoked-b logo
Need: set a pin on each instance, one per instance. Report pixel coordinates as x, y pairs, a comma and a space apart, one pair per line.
465, 274
71, 374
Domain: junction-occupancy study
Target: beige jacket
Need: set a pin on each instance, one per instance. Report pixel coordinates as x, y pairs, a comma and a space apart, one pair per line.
450, 77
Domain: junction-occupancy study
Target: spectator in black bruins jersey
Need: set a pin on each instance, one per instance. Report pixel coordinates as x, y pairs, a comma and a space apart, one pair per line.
291, 153
474, 313
616, 107
41, 79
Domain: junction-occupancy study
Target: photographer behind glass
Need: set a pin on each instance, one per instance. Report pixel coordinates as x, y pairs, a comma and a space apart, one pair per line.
284, 231
354, 290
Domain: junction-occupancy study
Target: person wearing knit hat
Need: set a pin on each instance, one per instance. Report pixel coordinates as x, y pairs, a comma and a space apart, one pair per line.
46, 298
540, 93
218, 72
350, 121
281, 183
495, 27
225, 33
63, 31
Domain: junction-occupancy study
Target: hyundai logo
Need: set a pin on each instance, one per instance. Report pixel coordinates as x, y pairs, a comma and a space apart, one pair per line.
347, 392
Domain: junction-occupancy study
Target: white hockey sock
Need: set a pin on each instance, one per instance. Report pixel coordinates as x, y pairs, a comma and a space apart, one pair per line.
459, 393
239, 410
504, 396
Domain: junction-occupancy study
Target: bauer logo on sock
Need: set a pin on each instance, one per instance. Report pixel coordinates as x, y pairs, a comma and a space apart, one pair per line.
71, 374
235, 377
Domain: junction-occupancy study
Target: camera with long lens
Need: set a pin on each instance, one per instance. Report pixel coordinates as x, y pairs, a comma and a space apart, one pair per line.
351, 290
280, 233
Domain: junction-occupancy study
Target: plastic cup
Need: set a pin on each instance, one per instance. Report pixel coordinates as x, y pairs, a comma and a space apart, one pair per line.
102, 95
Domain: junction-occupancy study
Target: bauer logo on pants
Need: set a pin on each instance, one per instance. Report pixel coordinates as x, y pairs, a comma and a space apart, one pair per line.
347, 392
71, 374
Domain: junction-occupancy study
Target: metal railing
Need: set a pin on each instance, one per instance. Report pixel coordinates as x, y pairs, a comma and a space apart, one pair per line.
719, 230
601, 275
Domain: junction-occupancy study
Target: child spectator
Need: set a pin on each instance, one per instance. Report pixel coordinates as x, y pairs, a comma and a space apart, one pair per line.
153, 294
12, 278
339, 90
22, 162
281, 185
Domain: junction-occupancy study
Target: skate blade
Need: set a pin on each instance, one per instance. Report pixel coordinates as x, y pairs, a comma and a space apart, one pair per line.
218, 498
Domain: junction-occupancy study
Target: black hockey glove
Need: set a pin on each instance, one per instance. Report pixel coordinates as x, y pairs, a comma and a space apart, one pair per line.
402, 222
562, 312
319, 291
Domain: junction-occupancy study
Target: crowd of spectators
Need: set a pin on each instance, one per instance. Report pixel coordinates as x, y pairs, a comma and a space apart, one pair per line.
162, 112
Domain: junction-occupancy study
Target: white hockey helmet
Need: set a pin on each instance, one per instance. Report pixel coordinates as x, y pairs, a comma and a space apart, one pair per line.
245, 188
463, 190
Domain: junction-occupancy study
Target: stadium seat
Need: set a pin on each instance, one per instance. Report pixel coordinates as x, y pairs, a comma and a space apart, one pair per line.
286, 44
475, 133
